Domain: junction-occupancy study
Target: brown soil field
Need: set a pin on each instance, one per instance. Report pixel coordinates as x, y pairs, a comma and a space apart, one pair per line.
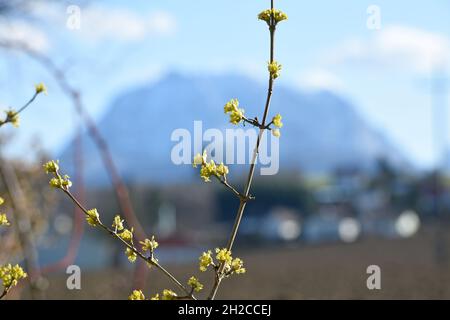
408, 271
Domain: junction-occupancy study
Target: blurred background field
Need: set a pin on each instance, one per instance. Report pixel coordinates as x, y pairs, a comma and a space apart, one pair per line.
331, 271
363, 157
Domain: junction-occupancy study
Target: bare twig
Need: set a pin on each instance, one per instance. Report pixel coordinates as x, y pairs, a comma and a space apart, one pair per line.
131, 246
9, 118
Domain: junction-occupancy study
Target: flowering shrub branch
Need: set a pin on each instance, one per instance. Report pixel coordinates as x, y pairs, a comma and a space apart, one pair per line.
12, 116
222, 263
74, 94
225, 265
9, 274
119, 232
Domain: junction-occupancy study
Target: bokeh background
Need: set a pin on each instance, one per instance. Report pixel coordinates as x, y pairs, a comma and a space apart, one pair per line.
364, 157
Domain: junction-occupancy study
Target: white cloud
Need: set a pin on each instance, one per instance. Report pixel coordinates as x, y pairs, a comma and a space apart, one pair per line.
399, 46
319, 79
98, 23
16, 30
101, 23
162, 23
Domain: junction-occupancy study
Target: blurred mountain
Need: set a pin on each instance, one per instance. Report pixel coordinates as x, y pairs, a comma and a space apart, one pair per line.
321, 132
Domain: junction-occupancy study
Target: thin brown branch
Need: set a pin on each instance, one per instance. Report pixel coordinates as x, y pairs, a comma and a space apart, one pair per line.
232, 189
5, 292
243, 203
16, 113
146, 259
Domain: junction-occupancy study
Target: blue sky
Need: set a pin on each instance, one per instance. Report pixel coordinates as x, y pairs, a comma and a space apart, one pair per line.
324, 45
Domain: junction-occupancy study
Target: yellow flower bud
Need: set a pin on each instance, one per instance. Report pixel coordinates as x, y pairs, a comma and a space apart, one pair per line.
222, 170
127, 235
56, 182
13, 117
136, 295
195, 284
131, 255
168, 295
232, 108
51, 167
149, 245
155, 297
40, 88
277, 121
237, 266
117, 223
10, 275
93, 217
205, 260
199, 159
274, 69
223, 255
3, 220
278, 15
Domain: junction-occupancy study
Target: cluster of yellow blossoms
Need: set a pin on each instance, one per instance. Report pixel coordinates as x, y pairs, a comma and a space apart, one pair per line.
118, 223
58, 181
277, 15
136, 295
61, 182
232, 108
41, 88
210, 168
3, 219
127, 236
149, 245
93, 217
274, 69
10, 275
11, 117
195, 284
51, 167
277, 123
166, 294
224, 256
